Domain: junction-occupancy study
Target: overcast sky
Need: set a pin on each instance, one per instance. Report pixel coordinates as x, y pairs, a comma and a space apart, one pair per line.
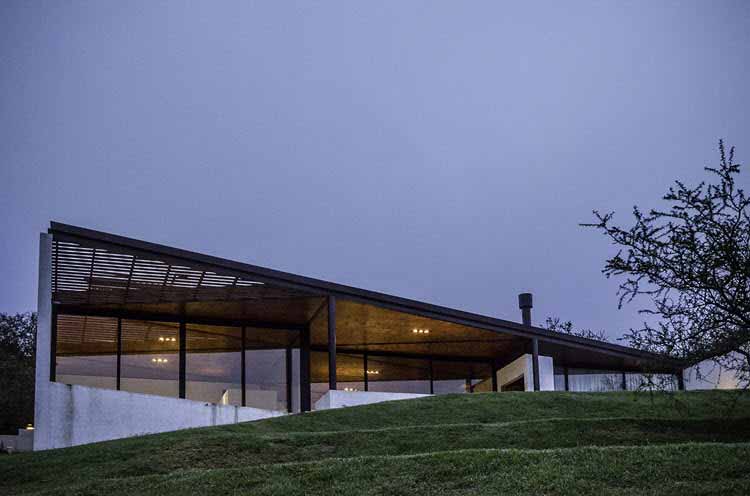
442, 151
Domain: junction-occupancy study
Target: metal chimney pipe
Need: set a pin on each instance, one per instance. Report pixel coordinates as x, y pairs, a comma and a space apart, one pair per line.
525, 303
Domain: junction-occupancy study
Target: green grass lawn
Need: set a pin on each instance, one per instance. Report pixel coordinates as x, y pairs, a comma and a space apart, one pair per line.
508, 443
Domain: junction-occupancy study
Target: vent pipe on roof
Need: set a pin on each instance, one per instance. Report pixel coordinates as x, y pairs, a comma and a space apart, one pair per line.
525, 304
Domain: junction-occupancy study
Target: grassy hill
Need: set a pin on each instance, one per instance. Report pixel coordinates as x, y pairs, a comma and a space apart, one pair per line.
512, 443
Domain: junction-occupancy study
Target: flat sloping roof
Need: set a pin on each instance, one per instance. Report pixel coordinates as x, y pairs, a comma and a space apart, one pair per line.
316, 287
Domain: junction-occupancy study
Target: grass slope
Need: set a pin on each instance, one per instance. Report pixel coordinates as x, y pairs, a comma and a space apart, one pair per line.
518, 443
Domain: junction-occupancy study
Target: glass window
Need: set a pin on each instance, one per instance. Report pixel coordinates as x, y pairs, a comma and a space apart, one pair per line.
265, 376
213, 368
350, 372
318, 375
586, 380
398, 375
86, 351
451, 377
265, 367
150, 357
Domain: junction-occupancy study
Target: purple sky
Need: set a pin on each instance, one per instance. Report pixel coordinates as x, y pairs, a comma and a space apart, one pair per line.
443, 151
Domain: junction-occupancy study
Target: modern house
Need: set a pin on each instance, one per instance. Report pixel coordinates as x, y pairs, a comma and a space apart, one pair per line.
136, 337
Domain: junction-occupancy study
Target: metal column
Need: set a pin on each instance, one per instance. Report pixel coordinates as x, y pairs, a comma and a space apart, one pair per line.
119, 353
332, 342
243, 366
432, 380
289, 380
304, 371
494, 377
53, 345
681, 380
183, 356
364, 371
535, 362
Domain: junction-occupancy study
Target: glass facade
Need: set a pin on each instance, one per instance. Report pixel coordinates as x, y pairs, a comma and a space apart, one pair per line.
213, 371
398, 375
266, 380
350, 372
260, 367
270, 368
87, 351
150, 357
87, 354
318, 375
591, 380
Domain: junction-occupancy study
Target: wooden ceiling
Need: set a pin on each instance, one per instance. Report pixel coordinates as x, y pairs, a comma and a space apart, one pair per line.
362, 327
351, 368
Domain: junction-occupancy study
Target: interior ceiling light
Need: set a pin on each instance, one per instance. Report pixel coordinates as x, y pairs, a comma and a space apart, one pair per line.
159, 360
373, 372
420, 331
163, 339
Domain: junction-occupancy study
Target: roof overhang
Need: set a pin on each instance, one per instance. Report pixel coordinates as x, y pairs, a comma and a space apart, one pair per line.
155, 277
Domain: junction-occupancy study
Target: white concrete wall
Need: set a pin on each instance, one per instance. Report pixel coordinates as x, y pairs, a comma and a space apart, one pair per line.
81, 415
341, 399
523, 367
211, 392
43, 415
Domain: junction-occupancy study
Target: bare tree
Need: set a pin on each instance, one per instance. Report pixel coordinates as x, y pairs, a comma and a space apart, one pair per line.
692, 261
554, 324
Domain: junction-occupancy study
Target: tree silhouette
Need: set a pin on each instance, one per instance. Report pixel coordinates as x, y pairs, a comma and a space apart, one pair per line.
692, 261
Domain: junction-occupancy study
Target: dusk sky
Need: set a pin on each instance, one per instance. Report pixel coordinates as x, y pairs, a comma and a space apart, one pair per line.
441, 151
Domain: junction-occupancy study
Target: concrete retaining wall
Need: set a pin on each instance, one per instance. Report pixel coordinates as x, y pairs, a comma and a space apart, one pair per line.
81, 415
340, 399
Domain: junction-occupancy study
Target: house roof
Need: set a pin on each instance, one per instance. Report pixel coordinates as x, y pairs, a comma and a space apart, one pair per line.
244, 280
